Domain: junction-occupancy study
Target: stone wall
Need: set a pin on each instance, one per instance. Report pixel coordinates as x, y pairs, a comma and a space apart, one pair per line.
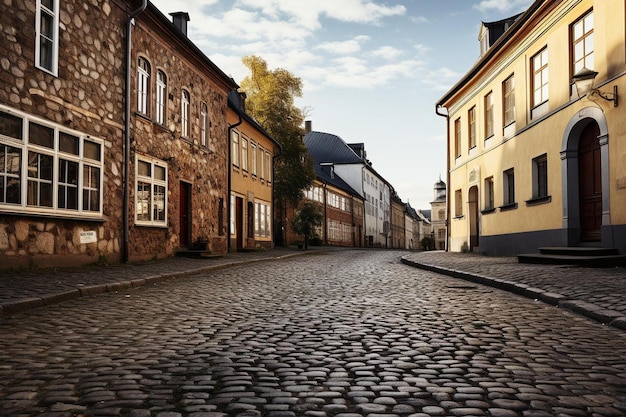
86, 97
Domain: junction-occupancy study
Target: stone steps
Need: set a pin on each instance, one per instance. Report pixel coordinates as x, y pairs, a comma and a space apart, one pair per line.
581, 256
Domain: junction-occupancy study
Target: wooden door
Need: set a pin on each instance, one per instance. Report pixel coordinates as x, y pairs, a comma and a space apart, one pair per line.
185, 214
590, 183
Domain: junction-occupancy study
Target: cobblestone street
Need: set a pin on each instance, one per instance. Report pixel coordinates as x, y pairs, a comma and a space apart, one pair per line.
346, 334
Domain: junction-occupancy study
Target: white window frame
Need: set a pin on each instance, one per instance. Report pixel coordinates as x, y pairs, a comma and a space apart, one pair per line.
88, 181
268, 167
540, 77
42, 38
262, 219
143, 85
161, 97
153, 183
235, 147
204, 119
244, 153
582, 43
185, 102
253, 159
262, 159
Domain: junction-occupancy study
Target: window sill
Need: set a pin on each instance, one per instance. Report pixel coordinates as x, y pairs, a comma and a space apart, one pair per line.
143, 116
488, 211
458, 217
507, 207
57, 215
153, 225
539, 200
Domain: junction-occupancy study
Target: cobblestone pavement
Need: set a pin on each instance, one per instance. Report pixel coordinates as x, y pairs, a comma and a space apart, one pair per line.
598, 293
344, 334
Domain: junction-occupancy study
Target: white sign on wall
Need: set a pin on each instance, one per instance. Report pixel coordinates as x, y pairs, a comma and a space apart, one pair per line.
88, 236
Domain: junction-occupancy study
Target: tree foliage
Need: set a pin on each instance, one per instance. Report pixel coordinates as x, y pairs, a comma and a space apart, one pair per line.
270, 100
306, 222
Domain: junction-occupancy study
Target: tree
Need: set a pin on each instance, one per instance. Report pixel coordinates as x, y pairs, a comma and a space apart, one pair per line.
270, 100
306, 222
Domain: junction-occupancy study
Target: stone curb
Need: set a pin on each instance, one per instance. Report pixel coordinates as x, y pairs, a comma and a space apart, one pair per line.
589, 310
11, 307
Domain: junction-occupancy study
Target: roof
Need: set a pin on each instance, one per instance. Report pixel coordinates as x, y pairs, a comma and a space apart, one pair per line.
325, 175
491, 52
326, 147
235, 102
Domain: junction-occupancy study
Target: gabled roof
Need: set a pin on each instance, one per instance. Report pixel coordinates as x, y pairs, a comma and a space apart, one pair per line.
325, 175
326, 147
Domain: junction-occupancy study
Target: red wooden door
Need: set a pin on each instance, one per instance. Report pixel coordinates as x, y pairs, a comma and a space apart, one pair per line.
590, 181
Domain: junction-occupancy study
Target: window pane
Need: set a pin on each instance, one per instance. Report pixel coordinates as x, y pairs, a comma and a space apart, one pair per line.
159, 203
159, 173
143, 169
41, 135
143, 201
49, 4
91, 150
68, 185
10, 181
68, 143
10, 125
91, 188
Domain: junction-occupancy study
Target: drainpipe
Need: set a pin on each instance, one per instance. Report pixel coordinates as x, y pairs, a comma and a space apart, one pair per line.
229, 171
126, 201
447, 116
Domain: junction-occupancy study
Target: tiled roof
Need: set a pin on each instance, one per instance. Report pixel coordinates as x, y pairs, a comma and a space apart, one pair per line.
326, 147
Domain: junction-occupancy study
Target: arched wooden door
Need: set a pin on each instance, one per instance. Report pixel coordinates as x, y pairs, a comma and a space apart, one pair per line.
590, 183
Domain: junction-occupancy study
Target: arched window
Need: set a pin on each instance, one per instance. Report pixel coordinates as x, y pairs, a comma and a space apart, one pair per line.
161, 97
143, 85
184, 113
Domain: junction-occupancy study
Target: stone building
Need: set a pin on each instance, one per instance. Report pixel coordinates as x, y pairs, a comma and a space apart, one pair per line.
398, 223
102, 160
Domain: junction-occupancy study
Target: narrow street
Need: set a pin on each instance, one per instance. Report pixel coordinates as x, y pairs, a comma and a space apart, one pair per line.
347, 334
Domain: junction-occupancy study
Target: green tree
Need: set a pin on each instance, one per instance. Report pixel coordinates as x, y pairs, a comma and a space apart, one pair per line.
271, 101
306, 221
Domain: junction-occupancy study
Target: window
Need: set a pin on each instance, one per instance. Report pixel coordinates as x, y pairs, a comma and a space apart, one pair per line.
489, 115
508, 94
458, 203
244, 154
262, 219
582, 43
253, 158
161, 97
48, 170
457, 137
489, 194
262, 163
539, 64
204, 121
151, 197
540, 177
471, 125
143, 85
47, 36
184, 113
509, 187
235, 148
268, 167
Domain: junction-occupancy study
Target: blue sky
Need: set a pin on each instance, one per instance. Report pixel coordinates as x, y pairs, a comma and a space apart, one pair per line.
372, 70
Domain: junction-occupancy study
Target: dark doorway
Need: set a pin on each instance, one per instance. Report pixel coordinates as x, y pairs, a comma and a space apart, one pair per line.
239, 222
590, 183
185, 214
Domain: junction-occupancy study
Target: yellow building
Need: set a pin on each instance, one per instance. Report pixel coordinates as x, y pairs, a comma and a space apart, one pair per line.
534, 159
251, 163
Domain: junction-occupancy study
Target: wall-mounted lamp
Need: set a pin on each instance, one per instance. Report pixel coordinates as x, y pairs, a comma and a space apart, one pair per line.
584, 85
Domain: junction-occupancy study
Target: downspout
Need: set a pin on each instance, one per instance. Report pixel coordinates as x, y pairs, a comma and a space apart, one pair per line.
126, 200
229, 179
325, 213
447, 116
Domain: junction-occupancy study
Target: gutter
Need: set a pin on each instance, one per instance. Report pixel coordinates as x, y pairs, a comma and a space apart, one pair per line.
126, 199
447, 116
229, 171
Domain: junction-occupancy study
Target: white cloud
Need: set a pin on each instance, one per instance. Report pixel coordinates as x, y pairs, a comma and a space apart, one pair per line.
387, 52
343, 47
502, 5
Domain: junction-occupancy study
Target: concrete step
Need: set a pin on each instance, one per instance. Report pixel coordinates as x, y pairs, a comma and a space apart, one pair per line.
580, 256
578, 251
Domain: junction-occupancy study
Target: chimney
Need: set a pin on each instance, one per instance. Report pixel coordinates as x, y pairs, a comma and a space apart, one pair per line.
308, 126
180, 20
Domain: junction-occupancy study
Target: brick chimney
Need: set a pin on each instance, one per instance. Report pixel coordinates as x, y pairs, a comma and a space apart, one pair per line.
308, 126
180, 20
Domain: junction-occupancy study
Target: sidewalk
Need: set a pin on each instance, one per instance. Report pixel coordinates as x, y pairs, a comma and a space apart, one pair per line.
598, 293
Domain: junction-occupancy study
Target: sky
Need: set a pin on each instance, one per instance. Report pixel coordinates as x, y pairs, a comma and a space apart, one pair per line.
371, 70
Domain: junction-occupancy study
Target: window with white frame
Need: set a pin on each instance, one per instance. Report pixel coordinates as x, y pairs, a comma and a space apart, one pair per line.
47, 36
489, 194
143, 85
235, 148
47, 169
151, 192
161, 97
253, 159
268, 167
471, 127
508, 97
262, 219
184, 113
539, 63
489, 115
261, 163
458, 203
204, 123
244, 154
583, 43
457, 138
